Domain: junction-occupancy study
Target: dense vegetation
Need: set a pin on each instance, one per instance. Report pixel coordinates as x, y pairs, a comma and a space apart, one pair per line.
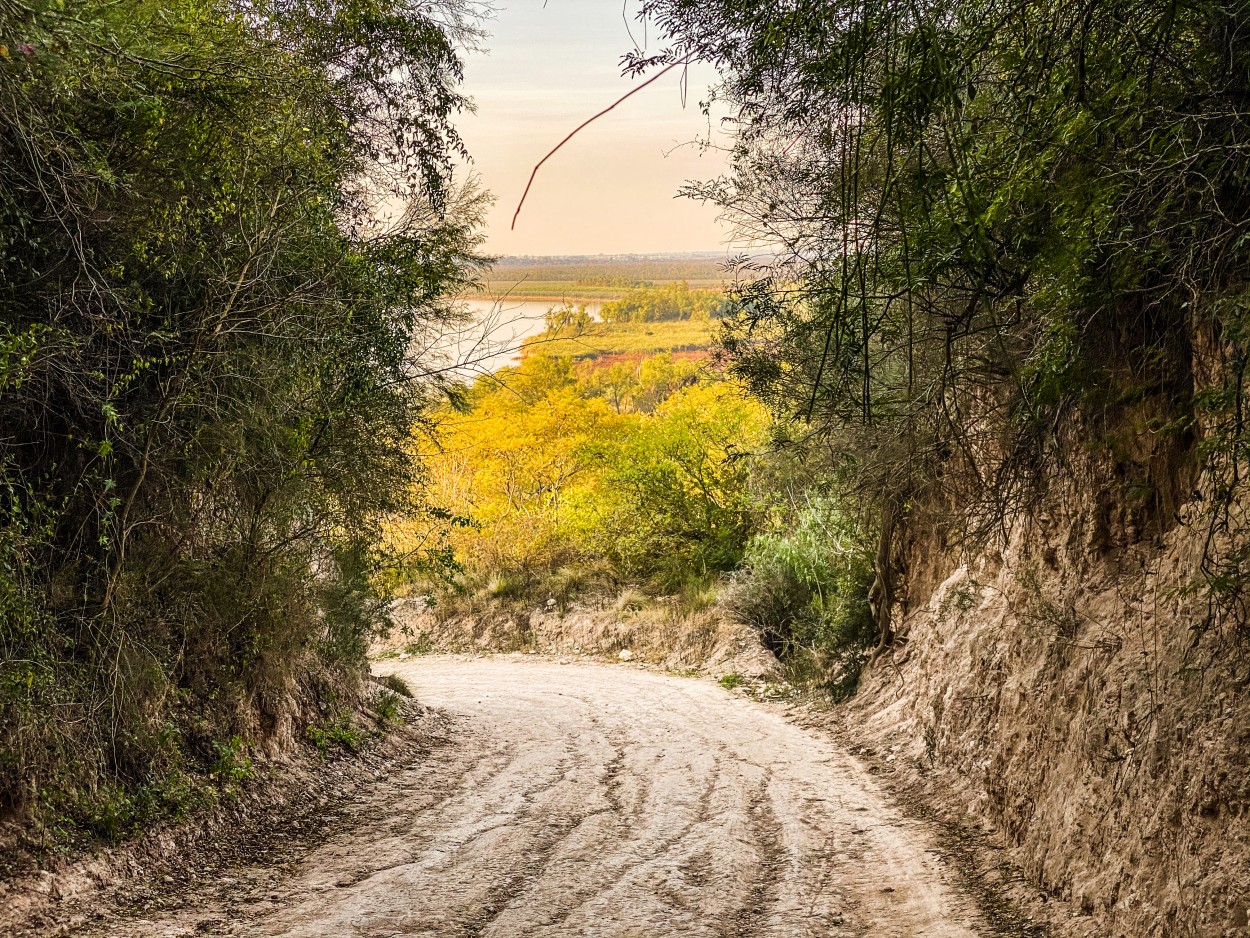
626, 472
664, 304
604, 469
1013, 235
207, 393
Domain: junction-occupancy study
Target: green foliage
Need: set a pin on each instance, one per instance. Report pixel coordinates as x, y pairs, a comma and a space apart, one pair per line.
389, 707
601, 280
579, 474
1002, 228
336, 733
396, 684
623, 340
206, 384
640, 387
568, 317
675, 497
232, 766
731, 680
805, 589
506, 584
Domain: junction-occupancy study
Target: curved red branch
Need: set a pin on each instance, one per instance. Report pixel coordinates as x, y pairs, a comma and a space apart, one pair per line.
633, 91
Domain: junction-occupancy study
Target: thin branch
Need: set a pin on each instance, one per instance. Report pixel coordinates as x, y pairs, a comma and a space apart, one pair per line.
633, 91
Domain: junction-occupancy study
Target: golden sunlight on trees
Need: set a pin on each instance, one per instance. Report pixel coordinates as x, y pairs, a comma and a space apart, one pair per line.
635, 466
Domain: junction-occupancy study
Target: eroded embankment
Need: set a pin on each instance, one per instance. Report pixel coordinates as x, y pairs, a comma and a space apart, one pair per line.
1062, 691
646, 629
297, 799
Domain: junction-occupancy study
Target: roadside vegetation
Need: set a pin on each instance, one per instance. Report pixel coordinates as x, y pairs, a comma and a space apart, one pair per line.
1014, 236
644, 482
206, 392
636, 472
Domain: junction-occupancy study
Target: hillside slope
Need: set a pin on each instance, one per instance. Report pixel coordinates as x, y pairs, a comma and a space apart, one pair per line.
1063, 690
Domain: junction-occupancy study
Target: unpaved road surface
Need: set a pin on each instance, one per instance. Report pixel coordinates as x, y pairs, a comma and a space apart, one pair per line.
602, 800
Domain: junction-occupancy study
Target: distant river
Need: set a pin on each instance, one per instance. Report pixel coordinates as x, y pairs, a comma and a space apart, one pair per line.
499, 330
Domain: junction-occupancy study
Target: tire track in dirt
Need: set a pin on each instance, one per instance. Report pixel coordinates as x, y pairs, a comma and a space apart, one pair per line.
761, 895
604, 801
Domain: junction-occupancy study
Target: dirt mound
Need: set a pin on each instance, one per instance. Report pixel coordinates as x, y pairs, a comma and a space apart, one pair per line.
644, 629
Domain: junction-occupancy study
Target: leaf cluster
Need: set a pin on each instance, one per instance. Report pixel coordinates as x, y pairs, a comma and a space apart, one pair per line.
207, 381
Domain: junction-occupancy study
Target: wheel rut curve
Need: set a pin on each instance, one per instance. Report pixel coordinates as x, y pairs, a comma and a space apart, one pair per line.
605, 801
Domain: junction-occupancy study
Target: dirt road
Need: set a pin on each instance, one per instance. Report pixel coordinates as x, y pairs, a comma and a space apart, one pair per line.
601, 800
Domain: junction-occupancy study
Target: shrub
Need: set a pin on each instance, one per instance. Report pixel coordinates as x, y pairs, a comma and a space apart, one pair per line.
395, 683
200, 445
805, 590
333, 734
388, 708
232, 765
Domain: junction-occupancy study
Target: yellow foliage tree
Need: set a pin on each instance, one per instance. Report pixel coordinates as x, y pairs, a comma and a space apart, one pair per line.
553, 471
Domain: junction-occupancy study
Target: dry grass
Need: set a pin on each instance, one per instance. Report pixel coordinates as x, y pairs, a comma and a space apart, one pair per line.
633, 338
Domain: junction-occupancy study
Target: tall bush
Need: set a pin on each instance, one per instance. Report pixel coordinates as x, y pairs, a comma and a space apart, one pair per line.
207, 391
805, 589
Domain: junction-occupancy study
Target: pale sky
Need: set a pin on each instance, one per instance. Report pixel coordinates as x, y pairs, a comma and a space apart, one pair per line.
612, 188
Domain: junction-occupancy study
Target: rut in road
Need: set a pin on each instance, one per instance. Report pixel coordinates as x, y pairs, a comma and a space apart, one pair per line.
599, 800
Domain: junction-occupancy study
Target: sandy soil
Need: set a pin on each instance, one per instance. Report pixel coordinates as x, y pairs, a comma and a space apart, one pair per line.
602, 800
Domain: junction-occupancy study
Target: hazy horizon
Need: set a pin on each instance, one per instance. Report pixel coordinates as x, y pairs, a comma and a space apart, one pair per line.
613, 188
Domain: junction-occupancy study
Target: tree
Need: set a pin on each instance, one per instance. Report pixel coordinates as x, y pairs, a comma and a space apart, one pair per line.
553, 475
1000, 227
207, 386
567, 316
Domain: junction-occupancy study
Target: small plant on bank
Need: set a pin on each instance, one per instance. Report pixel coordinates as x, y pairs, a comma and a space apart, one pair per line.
422, 644
393, 682
630, 599
774, 690
389, 708
698, 593
232, 766
731, 680
330, 735
507, 584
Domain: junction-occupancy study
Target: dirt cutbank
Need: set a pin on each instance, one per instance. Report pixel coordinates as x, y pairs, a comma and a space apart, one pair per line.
1075, 696
296, 801
646, 629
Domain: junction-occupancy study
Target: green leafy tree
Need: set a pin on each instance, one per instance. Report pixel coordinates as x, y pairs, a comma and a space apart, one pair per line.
207, 389
554, 474
1000, 228
677, 499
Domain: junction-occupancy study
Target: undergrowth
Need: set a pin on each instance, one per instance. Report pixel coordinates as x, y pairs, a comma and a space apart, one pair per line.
805, 591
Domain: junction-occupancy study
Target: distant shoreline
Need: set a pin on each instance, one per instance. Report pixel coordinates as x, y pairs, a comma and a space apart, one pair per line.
542, 298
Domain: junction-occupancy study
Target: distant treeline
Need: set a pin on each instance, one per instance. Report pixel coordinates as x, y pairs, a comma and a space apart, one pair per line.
612, 273
628, 283
664, 304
